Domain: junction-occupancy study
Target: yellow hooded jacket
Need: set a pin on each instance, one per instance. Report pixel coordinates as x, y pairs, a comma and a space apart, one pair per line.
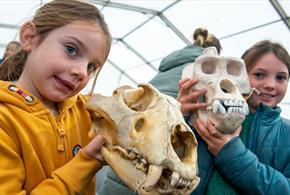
37, 149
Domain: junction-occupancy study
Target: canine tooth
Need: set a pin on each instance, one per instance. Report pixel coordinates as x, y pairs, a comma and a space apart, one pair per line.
221, 109
215, 106
154, 174
174, 179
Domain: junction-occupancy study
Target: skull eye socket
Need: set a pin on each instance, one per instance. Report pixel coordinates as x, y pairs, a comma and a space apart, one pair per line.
234, 68
208, 67
139, 124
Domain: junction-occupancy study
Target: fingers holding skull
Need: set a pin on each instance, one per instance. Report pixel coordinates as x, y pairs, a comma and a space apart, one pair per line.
213, 137
188, 98
94, 147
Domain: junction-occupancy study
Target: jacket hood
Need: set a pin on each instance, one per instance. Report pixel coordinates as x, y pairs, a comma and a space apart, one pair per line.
179, 57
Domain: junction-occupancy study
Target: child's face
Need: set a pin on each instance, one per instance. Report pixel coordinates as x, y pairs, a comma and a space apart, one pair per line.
270, 76
10, 49
61, 65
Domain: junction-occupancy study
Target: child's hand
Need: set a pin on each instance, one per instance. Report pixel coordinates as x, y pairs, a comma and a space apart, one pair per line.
214, 138
189, 99
93, 148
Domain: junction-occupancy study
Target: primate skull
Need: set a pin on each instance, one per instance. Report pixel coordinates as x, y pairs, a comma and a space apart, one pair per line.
225, 79
149, 145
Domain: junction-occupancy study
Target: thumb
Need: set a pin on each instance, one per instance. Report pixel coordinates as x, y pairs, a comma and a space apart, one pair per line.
97, 142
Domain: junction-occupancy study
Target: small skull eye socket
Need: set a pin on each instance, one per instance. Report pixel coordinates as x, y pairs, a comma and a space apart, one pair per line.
208, 67
139, 124
234, 68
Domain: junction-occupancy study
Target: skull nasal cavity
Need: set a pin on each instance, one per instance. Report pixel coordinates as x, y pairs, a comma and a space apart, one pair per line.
227, 86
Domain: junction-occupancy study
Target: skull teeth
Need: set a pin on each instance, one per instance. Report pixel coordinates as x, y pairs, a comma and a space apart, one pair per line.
177, 181
138, 160
225, 107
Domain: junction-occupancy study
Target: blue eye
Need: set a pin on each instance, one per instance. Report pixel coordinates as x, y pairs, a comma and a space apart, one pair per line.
72, 51
91, 68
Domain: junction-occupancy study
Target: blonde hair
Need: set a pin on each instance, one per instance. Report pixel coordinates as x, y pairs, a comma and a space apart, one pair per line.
204, 39
47, 18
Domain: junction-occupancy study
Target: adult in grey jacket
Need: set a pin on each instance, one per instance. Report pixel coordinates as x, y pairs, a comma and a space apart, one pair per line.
171, 66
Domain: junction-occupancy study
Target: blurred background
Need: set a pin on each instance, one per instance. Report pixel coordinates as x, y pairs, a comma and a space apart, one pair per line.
145, 31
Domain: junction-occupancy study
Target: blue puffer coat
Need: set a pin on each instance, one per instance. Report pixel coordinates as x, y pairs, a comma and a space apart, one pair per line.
262, 166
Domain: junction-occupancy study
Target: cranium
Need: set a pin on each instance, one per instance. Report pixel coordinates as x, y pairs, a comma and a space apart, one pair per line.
149, 145
225, 79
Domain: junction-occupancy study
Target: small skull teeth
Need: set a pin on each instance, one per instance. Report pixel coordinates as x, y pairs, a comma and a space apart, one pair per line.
226, 107
137, 159
172, 178
177, 181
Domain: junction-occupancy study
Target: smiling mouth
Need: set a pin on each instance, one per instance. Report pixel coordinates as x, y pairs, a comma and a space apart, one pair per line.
266, 95
65, 83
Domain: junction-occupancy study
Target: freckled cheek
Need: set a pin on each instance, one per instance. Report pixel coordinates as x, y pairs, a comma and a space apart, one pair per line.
254, 83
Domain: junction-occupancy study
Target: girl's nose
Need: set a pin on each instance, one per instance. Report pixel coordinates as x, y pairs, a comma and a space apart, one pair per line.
79, 70
270, 83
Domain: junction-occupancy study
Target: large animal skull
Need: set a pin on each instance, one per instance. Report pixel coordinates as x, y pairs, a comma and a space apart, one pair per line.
149, 145
225, 79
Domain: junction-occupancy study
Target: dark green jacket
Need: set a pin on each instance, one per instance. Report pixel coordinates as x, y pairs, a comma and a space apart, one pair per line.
171, 67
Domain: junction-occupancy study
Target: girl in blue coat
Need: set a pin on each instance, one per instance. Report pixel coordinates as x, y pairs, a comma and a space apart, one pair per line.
256, 158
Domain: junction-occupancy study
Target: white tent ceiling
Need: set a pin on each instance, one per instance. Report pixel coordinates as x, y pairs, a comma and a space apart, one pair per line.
145, 31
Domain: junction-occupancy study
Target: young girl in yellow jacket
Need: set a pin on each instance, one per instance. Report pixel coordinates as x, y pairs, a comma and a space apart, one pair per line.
44, 143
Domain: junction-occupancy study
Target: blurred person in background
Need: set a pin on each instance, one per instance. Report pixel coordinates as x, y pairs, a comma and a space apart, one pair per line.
11, 48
